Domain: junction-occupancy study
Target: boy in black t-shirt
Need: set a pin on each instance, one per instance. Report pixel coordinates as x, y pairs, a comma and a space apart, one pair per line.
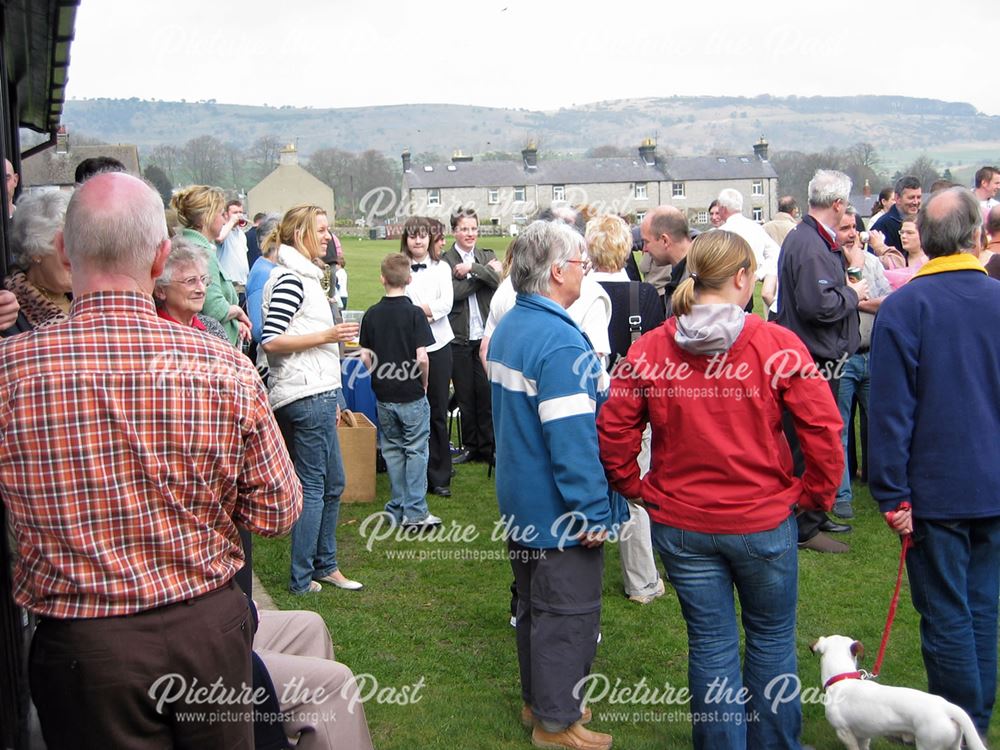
394, 340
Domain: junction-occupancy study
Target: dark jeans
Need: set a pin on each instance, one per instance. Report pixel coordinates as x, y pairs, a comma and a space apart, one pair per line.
91, 679
808, 521
439, 449
954, 573
472, 390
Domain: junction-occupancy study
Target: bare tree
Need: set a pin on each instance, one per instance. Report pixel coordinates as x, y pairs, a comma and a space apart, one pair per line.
924, 169
168, 159
204, 159
606, 151
263, 156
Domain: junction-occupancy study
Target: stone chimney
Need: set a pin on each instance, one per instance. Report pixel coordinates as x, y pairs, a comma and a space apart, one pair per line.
647, 151
530, 155
458, 156
868, 189
62, 140
760, 149
406, 160
288, 156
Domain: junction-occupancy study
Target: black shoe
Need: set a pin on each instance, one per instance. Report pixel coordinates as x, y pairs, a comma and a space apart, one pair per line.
441, 491
832, 527
461, 458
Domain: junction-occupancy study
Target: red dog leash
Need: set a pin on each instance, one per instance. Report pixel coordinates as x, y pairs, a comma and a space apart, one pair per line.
904, 548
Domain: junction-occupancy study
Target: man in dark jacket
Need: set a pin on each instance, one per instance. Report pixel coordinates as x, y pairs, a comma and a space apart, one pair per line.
475, 276
935, 379
908, 196
819, 303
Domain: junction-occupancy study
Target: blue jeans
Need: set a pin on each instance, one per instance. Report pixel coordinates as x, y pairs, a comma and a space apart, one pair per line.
309, 427
856, 380
954, 573
763, 568
405, 430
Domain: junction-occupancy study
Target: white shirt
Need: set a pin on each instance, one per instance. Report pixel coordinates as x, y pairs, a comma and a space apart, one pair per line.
340, 280
232, 256
475, 317
431, 286
765, 249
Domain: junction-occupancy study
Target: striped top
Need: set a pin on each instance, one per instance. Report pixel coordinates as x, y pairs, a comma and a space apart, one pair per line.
130, 447
287, 297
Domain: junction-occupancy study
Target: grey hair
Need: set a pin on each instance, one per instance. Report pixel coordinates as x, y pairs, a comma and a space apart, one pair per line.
731, 199
124, 235
37, 219
828, 186
183, 252
851, 211
266, 226
537, 248
953, 229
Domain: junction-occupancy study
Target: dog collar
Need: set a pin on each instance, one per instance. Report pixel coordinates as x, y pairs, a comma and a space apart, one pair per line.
842, 676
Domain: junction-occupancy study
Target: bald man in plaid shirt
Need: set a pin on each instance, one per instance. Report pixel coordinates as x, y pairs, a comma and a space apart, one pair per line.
131, 448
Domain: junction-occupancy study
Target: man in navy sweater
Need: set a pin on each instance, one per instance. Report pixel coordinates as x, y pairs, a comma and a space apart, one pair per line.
935, 367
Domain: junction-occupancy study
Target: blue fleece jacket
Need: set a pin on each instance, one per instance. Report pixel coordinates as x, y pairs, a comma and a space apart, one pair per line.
935, 394
550, 482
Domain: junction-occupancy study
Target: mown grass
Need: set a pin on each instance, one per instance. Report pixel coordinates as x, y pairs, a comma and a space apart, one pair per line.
443, 619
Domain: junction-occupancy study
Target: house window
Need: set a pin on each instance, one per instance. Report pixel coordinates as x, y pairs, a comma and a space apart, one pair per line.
519, 192
757, 187
678, 190
639, 190
434, 197
758, 213
493, 196
558, 192
640, 215
702, 217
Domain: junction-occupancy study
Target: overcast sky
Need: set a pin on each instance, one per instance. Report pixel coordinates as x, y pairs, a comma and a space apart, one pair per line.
538, 55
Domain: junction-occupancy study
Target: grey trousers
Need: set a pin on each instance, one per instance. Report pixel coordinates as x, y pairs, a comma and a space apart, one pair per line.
635, 545
558, 620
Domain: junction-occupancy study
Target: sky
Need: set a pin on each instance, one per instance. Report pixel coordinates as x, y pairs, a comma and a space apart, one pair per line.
537, 55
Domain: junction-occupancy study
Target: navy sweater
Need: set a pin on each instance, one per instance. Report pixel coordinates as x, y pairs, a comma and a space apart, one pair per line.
934, 428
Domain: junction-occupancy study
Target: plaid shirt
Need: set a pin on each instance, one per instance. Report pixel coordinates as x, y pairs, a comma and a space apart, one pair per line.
129, 446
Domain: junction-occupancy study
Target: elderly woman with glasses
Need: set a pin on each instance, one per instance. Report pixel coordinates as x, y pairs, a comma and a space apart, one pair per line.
42, 283
180, 291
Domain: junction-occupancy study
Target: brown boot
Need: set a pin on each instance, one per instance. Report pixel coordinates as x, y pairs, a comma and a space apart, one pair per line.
528, 718
575, 736
820, 542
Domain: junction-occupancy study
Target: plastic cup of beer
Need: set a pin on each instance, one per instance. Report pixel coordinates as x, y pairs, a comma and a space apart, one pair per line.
353, 316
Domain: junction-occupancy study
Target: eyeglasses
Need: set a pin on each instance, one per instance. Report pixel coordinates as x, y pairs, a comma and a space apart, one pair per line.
585, 264
191, 282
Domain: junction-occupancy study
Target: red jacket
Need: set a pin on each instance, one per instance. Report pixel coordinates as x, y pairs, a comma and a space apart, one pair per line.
720, 461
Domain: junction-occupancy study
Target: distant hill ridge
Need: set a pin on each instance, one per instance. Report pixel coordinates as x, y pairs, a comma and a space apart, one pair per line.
723, 124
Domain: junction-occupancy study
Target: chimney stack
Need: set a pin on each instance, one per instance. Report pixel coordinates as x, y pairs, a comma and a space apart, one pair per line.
530, 156
62, 140
647, 152
457, 156
406, 160
760, 149
288, 157
868, 189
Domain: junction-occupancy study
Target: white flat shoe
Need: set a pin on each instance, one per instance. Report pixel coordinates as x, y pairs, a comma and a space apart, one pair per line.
346, 584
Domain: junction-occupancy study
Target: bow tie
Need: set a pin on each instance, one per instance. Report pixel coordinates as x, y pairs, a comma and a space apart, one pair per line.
418, 266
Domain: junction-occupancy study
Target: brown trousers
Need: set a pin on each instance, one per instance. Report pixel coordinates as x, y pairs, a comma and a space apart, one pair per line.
97, 683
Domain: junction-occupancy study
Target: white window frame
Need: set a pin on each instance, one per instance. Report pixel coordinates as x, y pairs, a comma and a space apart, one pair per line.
677, 190
757, 213
757, 187
434, 197
522, 191
702, 217
640, 215
493, 196
558, 192
640, 190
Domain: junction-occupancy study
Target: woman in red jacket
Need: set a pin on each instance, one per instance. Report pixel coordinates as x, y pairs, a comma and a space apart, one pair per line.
720, 492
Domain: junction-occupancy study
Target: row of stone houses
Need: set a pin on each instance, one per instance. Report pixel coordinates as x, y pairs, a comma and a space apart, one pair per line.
506, 193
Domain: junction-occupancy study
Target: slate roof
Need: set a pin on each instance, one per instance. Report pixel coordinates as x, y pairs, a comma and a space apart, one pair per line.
586, 171
51, 168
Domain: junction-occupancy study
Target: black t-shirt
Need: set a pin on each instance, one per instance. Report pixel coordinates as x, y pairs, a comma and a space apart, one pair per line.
393, 329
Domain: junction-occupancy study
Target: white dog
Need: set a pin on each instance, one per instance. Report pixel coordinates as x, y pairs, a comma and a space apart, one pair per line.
861, 709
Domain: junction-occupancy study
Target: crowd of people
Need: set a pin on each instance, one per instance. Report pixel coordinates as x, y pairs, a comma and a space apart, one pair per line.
196, 368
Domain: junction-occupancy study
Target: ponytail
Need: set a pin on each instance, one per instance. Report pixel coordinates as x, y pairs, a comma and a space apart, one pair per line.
682, 299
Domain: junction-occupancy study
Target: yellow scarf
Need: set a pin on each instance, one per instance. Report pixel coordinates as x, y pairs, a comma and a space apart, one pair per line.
953, 262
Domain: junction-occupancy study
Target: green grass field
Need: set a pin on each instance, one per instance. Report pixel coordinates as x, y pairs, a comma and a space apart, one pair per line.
440, 618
